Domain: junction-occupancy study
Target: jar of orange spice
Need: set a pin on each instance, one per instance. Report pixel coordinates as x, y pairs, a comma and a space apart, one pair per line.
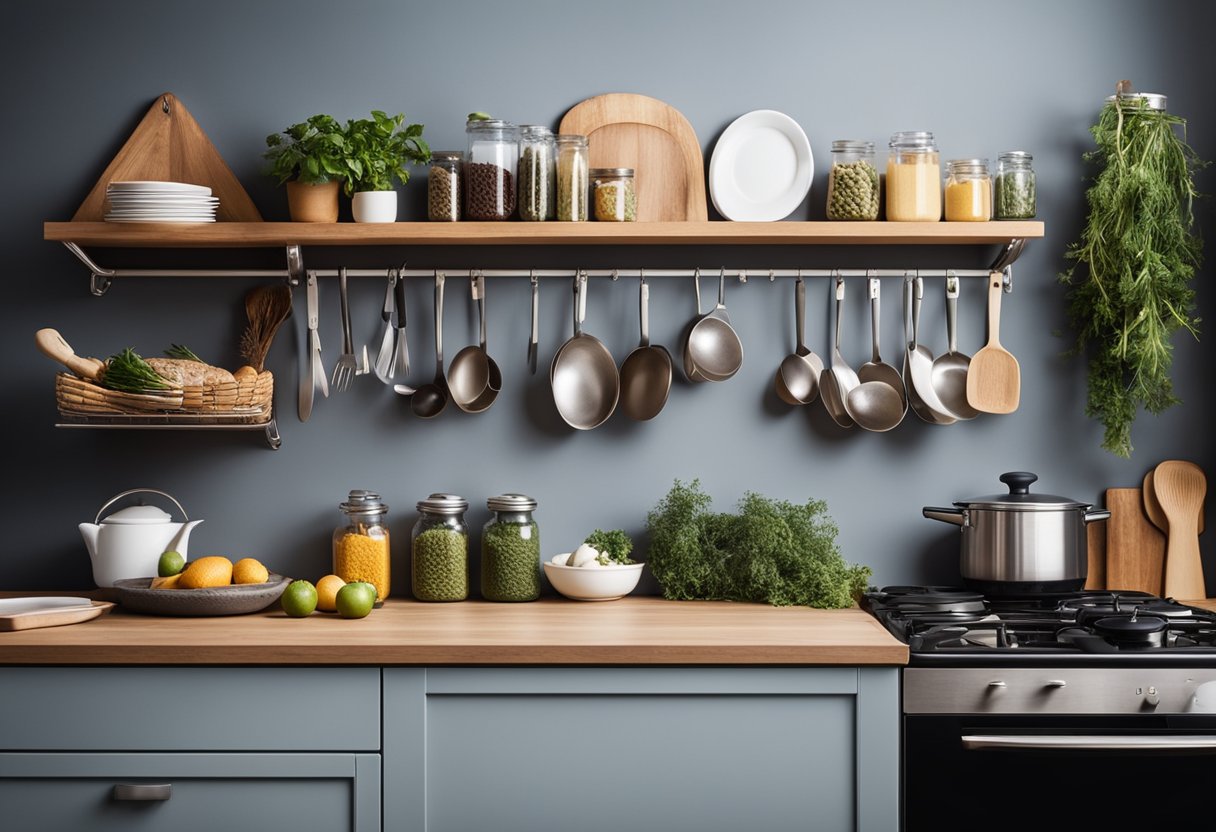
361, 545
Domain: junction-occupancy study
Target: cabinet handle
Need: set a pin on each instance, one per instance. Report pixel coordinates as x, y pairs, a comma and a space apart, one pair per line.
143, 791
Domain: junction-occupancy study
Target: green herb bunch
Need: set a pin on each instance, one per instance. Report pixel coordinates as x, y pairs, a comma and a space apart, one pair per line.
1128, 289
310, 152
613, 546
378, 149
127, 371
771, 551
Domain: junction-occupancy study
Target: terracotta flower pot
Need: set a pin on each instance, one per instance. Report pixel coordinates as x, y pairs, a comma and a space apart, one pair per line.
313, 203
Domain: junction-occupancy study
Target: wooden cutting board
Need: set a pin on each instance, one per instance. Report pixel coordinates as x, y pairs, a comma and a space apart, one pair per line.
625, 130
28, 613
1135, 548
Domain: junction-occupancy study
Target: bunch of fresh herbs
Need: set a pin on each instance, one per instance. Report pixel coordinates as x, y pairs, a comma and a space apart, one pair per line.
377, 149
310, 152
613, 546
127, 371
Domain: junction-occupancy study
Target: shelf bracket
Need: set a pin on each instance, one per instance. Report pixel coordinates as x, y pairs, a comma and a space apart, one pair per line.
100, 279
272, 434
295, 266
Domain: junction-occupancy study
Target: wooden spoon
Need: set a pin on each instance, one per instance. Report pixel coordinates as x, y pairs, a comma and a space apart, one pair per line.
1180, 488
994, 380
1152, 508
52, 345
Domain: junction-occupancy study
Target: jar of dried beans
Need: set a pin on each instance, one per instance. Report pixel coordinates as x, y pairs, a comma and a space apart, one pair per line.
489, 169
361, 545
914, 178
537, 173
616, 199
439, 546
443, 186
853, 189
572, 178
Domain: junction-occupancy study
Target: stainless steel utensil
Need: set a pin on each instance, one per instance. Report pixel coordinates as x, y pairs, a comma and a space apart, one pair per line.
534, 341
798, 375
714, 348
918, 361
474, 379
401, 353
316, 370
345, 369
878, 403
584, 378
646, 372
836, 381
429, 400
950, 368
384, 358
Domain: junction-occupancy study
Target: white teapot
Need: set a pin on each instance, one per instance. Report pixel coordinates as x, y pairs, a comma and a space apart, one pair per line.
129, 542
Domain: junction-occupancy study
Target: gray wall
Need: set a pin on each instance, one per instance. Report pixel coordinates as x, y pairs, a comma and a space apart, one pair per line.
985, 77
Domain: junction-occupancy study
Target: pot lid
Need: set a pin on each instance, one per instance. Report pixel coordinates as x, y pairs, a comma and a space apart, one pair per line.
133, 515
1019, 497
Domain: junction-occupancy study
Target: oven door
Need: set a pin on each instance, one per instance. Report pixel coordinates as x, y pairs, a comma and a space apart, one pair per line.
1057, 771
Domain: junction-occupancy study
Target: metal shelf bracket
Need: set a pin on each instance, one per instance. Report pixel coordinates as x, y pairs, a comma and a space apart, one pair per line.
101, 278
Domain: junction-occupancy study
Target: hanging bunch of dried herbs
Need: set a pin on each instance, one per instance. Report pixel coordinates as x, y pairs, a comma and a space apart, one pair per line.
1129, 287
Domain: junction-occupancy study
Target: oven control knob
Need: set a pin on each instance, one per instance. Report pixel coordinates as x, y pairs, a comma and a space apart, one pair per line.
1055, 684
1151, 696
1204, 699
997, 683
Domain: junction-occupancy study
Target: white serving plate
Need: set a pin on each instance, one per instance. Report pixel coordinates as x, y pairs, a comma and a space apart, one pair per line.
761, 168
158, 219
156, 185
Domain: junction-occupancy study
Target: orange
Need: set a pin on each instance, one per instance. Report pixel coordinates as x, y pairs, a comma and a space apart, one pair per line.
213, 570
327, 593
249, 571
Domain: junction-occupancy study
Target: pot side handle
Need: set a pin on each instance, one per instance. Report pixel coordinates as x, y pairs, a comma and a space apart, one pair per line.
1096, 515
954, 516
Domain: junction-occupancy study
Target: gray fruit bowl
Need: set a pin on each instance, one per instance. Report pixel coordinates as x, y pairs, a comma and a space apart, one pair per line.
134, 595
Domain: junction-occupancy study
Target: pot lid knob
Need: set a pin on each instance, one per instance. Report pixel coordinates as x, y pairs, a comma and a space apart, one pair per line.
1019, 481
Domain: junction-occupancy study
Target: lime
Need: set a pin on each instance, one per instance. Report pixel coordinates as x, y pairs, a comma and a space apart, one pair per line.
299, 599
170, 563
478, 116
356, 599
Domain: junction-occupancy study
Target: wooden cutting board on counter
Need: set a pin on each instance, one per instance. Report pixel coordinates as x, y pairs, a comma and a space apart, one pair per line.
625, 130
1135, 548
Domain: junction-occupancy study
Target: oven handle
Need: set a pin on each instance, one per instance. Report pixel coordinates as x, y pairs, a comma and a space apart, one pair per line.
1092, 743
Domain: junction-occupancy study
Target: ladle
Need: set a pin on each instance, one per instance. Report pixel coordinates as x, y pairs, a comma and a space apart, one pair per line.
714, 349
429, 400
646, 373
474, 378
836, 382
950, 368
878, 403
798, 376
584, 378
918, 361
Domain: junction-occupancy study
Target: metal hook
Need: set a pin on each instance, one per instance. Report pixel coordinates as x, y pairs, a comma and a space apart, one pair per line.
615, 275
164, 104
642, 274
532, 277
1007, 280
743, 275
772, 276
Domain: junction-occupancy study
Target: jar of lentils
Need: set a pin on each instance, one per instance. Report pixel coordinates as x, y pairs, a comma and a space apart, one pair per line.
968, 191
572, 182
1013, 196
616, 198
537, 173
489, 169
510, 550
853, 189
444, 187
361, 545
914, 178
439, 545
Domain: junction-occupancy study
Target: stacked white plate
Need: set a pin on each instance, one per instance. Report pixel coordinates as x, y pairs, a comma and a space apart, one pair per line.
159, 202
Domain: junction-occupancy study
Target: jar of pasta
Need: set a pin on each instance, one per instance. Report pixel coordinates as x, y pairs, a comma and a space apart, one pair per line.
361, 547
616, 199
968, 191
914, 178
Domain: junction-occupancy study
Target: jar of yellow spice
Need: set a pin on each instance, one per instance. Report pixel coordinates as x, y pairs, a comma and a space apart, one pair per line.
361, 548
968, 191
914, 178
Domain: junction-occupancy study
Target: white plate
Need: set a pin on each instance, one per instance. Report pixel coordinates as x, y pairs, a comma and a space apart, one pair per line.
761, 168
152, 185
162, 199
200, 211
158, 219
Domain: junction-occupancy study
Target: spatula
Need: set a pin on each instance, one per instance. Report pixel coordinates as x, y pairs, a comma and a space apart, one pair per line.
1180, 488
994, 380
1152, 508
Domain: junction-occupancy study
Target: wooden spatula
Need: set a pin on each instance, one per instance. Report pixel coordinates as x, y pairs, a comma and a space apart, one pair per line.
994, 380
1180, 488
1153, 508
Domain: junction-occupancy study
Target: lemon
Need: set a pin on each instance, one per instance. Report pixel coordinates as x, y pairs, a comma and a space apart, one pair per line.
165, 583
213, 570
249, 571
170, 563
356, 599
299, 599
327, 592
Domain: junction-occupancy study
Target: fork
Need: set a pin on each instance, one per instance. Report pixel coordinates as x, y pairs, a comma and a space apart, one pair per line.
347, 364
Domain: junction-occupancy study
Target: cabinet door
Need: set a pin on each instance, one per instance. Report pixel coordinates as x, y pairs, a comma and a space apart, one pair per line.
206, 792
592, 749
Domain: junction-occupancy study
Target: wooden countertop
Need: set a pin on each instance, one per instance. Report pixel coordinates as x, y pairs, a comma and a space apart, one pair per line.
1206, 604
552, 631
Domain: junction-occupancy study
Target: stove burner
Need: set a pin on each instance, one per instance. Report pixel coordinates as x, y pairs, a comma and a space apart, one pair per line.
1132, 630
933, 599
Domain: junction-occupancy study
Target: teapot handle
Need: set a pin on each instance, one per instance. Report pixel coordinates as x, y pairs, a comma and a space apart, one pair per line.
118, 497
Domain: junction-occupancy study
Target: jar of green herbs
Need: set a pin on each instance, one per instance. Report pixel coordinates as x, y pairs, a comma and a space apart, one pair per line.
439, 547
537, 173
1013, 194
510, 550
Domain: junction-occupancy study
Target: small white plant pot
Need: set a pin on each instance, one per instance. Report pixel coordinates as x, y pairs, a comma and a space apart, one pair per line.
374, 206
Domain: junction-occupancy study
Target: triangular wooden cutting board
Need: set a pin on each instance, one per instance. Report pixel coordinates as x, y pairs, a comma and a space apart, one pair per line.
168, 145
1135, 548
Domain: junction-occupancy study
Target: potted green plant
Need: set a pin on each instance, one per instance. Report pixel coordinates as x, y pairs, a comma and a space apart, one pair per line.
309, 158
376, 151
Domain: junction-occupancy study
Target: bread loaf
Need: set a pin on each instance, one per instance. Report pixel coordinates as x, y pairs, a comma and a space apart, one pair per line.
192, 373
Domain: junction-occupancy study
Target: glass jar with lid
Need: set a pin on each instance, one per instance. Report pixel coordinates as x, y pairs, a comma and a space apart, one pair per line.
439, 545
361, 543
510, 550
537, 173
853, 189
968, 191
615, 197
572, 170
489, 169
1013, 193
444, 190
914, 178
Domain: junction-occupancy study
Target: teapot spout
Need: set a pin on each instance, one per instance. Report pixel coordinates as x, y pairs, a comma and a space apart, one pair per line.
181, 539
89, 532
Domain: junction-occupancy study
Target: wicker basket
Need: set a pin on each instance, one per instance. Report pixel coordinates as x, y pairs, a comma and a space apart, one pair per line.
245, 398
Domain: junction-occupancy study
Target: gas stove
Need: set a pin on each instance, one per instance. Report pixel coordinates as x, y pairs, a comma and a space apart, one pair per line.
949, 626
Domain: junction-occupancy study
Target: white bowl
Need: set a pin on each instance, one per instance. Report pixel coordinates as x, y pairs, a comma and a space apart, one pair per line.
594, 583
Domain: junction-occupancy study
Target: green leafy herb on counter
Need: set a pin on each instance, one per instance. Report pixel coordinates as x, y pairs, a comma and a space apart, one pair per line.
1128, 289
183, 352
771, 551
127, 371
613, 546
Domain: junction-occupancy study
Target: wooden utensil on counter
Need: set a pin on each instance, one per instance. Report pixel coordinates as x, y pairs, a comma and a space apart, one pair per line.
635, 131
1180, 488
1153, 508
994, 380
1135, 548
